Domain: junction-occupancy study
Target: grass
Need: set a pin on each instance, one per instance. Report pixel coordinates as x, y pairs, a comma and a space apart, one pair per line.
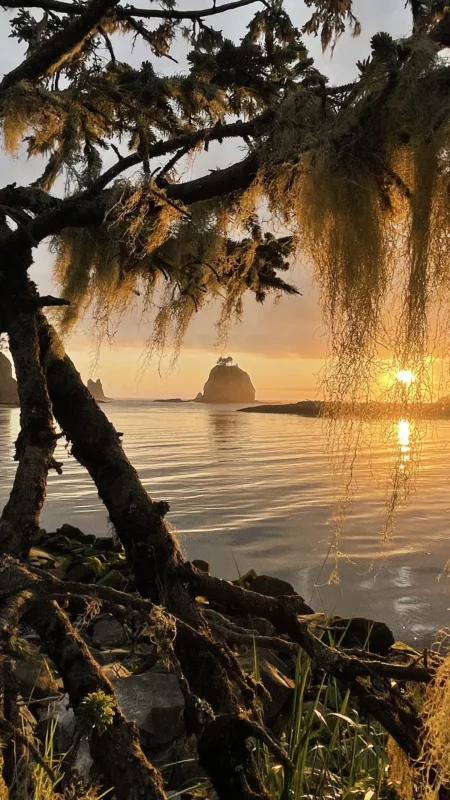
48, 776
335, 752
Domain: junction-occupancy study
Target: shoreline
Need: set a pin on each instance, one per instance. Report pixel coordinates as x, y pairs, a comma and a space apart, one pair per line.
364, 411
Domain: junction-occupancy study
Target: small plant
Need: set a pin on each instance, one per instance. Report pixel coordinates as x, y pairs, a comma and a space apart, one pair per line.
47, 774
50, 775
336, 754
95, 712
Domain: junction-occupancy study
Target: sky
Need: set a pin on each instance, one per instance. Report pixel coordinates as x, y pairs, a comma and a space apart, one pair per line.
280, 345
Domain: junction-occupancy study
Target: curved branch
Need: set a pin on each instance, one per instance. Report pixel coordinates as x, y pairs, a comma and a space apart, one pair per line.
76, 212
186, 141
60, 6
283, 613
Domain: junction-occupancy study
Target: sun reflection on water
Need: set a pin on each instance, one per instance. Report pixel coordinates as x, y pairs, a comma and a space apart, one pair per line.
403, 433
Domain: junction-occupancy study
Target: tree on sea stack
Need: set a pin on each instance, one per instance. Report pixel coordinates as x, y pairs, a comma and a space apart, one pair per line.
354, 172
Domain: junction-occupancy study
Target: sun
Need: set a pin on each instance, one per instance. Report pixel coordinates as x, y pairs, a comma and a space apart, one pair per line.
405, 376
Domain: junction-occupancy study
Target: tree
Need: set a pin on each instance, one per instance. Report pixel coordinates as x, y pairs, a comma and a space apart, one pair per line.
344, 167
224, 362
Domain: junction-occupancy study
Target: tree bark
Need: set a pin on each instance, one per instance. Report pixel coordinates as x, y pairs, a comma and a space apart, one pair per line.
138, 520
117, 751
36, 442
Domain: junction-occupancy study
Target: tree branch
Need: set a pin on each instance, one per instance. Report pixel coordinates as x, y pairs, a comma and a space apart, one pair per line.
44, 301
117, 751
186, 141
76, 212
122, 13
36, 442
52, 52
283, 612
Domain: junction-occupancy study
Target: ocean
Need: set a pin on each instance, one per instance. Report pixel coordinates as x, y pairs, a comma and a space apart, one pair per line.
256, 491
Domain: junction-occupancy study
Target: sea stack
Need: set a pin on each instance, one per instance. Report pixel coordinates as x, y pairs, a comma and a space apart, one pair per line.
227, 383
96, 390
8, 386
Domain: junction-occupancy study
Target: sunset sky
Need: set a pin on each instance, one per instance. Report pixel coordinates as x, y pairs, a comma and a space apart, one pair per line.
281, 346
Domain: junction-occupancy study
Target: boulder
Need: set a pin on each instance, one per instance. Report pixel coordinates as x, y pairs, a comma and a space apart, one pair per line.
227, 383
83, 760
155, 702
61, 711
114, 579
8, 386
274, 675
108, 633
82, 573
41, 558
271, 587
72, 532
362, 633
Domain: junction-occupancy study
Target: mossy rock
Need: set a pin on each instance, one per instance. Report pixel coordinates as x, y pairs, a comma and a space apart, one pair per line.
71, 532
59, 543
113, 579
40, 537
108, 545
86, 571
79, 549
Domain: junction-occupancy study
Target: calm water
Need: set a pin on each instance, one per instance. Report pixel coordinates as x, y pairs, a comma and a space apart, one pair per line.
255, 491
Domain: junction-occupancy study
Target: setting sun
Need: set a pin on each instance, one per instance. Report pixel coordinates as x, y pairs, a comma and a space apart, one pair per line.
405, 376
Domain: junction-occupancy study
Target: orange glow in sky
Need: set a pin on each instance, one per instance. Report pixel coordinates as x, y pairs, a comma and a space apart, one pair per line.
121, 371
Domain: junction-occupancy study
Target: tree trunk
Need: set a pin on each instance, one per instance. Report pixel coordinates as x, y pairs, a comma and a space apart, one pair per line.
116, 750
138, 520
36, 442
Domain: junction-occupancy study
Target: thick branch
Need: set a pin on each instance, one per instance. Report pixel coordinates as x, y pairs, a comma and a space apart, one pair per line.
283, 613
52, 52
28, 197
77, 212
44, 301
117, 751
36, 442
122, 13
186, 141
96, 445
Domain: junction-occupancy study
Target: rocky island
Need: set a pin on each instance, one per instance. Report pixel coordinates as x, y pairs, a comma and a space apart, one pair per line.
96, 390
227, 383
8, 386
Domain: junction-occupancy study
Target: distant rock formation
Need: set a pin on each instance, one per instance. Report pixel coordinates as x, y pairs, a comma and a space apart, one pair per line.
227, 383
96, 390
8, 386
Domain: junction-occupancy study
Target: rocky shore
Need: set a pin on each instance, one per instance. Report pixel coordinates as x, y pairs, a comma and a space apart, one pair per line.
366, 411
147, 688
